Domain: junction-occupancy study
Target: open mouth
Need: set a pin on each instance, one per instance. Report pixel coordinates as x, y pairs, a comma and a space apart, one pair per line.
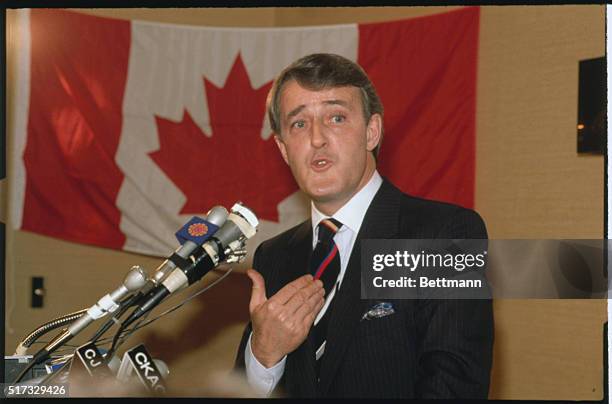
320, 164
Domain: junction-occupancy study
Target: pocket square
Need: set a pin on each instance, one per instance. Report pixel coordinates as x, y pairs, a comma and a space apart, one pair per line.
381, 309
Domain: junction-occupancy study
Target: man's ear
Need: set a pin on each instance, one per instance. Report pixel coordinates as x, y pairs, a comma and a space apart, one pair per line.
281, 147
373, 132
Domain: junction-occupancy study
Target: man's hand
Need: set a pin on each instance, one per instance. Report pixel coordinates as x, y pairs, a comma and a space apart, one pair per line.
281, 323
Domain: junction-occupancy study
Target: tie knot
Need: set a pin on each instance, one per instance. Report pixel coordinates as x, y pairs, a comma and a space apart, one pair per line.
327, 229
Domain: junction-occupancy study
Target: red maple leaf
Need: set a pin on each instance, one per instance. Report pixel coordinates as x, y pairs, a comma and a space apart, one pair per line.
235, 163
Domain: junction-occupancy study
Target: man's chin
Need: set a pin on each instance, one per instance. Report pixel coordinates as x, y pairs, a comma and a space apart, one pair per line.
322, 197
322, 191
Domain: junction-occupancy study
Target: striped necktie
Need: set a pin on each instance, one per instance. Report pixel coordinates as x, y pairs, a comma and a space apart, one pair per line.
325, 265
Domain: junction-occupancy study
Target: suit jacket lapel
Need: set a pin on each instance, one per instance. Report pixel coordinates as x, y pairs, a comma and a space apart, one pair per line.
380, 221
300, 373
299, 249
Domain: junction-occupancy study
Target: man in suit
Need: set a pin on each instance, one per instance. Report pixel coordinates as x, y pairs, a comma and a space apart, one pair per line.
308, 337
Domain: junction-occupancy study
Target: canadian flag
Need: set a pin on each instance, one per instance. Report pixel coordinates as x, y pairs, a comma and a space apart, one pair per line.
126, 129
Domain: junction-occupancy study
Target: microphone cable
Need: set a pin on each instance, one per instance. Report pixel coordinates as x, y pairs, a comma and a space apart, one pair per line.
188, 299
116, 343
123, 307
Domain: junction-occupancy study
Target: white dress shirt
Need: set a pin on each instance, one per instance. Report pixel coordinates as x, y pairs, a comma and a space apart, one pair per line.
351, 215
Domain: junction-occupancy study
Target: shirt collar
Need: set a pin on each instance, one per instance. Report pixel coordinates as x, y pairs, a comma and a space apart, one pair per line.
352, 213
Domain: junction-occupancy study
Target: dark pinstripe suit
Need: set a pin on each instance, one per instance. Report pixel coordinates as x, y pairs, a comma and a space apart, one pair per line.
426, 349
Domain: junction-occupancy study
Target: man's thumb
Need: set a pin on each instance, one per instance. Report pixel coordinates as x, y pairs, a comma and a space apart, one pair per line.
258, 293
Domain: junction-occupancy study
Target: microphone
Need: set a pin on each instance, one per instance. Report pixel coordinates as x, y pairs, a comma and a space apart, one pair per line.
215, 216
201, 231
133, 281
226, 245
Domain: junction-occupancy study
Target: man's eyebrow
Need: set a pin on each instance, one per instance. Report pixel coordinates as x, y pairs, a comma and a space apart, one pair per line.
295, 111
299, 109
337, 102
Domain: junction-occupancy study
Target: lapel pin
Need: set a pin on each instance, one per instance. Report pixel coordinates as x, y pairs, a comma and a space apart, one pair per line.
381, 309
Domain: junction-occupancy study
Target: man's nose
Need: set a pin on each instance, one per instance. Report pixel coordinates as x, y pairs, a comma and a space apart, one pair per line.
318, 135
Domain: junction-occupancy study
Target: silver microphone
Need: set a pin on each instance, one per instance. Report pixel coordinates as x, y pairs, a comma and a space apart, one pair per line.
217, 216
133, 281
226, 245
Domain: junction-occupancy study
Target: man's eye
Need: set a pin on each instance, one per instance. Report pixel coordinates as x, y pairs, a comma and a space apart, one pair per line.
298, 124
338, 118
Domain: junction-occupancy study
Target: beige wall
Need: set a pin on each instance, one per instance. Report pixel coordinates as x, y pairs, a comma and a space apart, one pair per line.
530, 183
